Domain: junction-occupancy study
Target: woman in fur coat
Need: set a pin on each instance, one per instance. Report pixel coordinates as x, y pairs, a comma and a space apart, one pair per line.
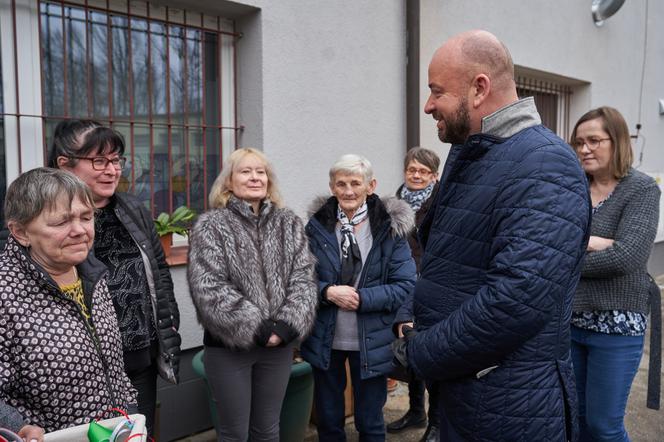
251, 278
365, 271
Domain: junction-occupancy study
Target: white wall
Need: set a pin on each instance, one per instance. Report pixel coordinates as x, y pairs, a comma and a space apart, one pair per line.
332, 77
560, 37
315, 80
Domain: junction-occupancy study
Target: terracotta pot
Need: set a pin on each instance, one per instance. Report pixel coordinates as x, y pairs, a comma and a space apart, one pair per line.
166, 241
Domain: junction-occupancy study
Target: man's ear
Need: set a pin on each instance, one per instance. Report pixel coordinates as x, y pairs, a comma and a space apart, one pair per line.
480, 90
18, 231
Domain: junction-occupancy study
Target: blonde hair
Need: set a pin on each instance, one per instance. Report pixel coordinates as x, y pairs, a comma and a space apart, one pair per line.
221, 189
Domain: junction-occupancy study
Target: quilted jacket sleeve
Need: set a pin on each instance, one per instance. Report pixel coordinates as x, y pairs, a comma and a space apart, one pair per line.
221, 308
401, 274
539, 224
634, 238
299, 307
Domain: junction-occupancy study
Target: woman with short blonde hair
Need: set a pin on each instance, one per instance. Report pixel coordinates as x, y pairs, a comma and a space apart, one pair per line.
221, 188
251, 278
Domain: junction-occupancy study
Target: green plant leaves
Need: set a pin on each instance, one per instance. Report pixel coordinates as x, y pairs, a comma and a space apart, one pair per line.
178, 222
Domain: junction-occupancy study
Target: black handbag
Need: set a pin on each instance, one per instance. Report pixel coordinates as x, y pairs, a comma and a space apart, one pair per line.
655, 362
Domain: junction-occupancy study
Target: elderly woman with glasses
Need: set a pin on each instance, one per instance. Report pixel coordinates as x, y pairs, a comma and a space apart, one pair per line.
612, 298
365, 271
60, 351
127, 243
418, 190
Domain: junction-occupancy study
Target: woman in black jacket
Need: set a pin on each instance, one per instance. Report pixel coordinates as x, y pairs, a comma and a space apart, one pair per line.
126, 241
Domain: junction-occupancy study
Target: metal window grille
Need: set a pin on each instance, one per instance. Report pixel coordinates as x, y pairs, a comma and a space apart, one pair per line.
552, 101
164, 78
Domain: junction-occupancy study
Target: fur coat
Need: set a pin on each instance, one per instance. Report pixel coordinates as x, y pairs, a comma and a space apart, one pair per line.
251, 275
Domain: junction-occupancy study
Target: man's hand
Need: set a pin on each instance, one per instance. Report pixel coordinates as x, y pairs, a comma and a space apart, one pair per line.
31, 433
402, 325
597, 243
345, 296
400, 346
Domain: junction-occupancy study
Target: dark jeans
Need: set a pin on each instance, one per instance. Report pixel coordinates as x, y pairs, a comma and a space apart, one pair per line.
604, 367
145, 383
369, 395
416, 398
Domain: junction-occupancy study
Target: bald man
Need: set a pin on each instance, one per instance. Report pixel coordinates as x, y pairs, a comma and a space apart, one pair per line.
503, 244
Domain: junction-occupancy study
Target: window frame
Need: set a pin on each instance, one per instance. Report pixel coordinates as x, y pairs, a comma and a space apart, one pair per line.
21, 60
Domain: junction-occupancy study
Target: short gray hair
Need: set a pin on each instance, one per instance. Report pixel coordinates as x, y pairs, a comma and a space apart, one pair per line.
352, 164
39, 189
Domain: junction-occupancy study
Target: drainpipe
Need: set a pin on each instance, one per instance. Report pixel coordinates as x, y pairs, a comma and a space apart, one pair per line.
413, 73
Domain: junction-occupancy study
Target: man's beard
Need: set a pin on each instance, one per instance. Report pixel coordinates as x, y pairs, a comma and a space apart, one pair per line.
457, 127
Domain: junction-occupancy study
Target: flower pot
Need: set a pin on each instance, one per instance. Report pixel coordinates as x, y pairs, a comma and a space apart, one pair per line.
296, 408
166, 242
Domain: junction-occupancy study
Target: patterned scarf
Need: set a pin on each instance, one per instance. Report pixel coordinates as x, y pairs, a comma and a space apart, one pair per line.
415, 198
351, 260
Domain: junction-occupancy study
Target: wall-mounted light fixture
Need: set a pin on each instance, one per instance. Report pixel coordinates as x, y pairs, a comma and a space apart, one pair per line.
661, 106
603, 9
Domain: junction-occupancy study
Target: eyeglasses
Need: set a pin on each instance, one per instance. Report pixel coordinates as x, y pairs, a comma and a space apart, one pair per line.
101, 163
423, 172
592, 143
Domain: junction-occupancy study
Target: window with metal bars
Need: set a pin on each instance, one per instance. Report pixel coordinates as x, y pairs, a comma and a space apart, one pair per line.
552, 101
164, 78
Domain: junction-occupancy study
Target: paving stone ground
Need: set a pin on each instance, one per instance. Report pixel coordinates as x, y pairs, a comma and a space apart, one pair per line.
643, 424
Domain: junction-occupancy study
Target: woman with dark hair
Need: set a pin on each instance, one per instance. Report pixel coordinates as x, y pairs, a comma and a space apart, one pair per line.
612, 298
126, 241
60, 352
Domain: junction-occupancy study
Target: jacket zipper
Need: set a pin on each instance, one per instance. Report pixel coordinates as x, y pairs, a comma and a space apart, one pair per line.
363, 277
260, 257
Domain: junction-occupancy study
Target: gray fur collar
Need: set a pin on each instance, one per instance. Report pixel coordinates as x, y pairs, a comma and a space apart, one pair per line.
401, 216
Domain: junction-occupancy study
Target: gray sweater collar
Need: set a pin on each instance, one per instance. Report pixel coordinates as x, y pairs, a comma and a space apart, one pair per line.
512, 118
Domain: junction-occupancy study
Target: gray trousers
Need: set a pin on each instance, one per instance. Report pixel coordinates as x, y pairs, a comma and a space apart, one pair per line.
248, 388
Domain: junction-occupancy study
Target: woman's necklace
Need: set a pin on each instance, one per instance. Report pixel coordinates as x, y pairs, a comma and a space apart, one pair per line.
599, 193
62, 280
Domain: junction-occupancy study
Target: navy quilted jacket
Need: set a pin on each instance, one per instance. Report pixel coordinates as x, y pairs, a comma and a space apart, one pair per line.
387, 277
505, 241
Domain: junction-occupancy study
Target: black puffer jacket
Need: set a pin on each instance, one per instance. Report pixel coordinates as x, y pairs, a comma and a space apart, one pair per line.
55, 370
138, 222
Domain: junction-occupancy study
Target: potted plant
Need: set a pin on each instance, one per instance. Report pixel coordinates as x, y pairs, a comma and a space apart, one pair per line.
178, 222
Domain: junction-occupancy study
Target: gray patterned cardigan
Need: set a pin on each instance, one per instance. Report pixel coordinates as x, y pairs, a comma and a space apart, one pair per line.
251, 275
617, 278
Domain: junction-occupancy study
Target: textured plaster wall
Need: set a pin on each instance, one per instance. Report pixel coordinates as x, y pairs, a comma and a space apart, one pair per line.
560, 37
331, 76
317, 79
